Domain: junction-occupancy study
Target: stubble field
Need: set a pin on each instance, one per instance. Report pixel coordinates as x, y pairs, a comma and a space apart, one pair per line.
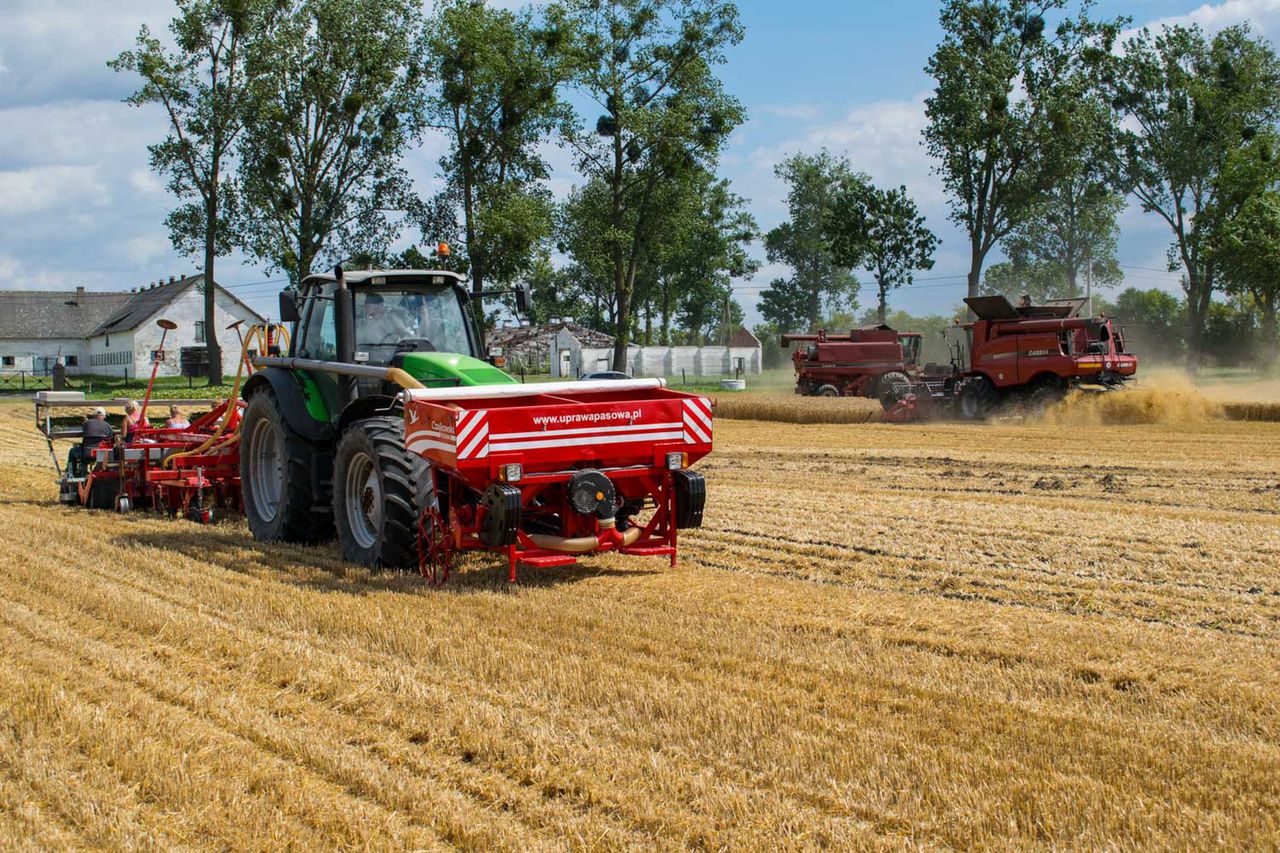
1009, 636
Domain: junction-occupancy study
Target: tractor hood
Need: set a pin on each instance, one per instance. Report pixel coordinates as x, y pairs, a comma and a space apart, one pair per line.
448, 369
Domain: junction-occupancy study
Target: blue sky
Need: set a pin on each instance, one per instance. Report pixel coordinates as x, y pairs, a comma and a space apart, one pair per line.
78, 205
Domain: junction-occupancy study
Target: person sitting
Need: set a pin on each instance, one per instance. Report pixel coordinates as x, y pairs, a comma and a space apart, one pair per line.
96, 430
133, 421
177, 420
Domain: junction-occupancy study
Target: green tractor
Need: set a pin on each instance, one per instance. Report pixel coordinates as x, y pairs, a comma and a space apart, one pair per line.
322, 445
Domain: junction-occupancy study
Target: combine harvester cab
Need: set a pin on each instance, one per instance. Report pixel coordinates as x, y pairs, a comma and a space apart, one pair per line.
547, 473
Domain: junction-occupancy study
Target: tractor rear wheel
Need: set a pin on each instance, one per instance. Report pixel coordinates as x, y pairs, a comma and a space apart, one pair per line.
977, 399
891, 387
275, 476
380, 490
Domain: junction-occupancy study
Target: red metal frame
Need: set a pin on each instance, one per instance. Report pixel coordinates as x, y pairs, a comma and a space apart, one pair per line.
183, 486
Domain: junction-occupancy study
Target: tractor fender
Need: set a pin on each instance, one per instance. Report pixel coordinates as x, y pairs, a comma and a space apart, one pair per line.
374, 405
292, 406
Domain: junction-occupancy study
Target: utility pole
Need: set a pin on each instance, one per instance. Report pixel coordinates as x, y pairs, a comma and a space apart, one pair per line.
1088, 279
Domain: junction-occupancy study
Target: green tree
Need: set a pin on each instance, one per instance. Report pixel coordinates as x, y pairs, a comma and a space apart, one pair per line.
335, 101
1190, 105
1154, 323
1248, 251
1002, 118
648, 64
881, 230
818, 286
201, 88
496, 74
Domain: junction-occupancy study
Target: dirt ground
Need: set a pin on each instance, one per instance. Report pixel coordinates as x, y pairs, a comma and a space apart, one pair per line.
1010, 636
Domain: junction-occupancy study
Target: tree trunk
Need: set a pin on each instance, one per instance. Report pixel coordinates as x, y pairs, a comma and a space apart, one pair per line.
212, 350
884, 307
621, 328
1270, 333
666, 313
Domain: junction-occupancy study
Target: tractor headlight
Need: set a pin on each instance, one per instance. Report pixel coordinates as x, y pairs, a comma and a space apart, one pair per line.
512, 472
676, 461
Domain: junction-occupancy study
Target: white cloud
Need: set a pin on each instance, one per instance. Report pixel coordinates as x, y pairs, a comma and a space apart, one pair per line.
1262, 15
47, 188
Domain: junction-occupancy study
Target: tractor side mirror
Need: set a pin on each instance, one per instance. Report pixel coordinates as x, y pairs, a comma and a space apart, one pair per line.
289, 312
524, 298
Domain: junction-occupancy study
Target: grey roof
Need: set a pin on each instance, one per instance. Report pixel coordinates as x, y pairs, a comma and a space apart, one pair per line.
143, 304
36, 314
44, 314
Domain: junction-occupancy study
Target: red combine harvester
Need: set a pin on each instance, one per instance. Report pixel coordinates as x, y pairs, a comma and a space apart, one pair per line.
867, 362
1031, 356
546, 473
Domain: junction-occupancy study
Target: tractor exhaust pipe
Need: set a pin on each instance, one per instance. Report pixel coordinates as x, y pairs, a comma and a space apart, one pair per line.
344, 316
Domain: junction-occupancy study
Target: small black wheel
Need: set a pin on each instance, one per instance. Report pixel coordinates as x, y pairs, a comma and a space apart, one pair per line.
891, 388
828, 391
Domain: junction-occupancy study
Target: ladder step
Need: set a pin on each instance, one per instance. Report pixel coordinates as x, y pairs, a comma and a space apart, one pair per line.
649, 550
546, 561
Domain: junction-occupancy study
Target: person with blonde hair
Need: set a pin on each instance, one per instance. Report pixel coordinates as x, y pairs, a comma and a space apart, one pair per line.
177, 420
133, 420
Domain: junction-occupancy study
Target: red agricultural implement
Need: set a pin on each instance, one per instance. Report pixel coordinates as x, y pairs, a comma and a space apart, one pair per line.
185, 470
867, 362
546, 473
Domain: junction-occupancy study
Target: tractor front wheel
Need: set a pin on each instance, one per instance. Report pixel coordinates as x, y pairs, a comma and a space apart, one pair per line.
275, 476
380, 491
828, 391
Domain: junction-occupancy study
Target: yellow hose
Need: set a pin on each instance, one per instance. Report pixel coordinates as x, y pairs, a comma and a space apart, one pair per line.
231, 402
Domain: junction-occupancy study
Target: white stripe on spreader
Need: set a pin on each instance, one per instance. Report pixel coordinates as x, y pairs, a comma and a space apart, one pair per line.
701, 413
499, 445
693, 433
584, 431
478, 441
467, 424
418, 445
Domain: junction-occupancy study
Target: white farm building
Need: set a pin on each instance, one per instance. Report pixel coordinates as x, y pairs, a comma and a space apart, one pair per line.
114, 333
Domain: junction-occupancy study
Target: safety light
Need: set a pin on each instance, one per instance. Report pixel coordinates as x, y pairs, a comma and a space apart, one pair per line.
676, 461
512, 472
443, 250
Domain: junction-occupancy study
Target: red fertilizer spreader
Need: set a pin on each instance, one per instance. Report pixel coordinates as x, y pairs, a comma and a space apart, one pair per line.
549, 472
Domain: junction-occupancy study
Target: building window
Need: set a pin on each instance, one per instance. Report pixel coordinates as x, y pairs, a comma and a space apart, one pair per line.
199, 331
71, 360
8, 361
157, 355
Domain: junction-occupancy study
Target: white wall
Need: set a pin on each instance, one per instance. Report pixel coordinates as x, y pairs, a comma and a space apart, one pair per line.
33, 355
110, 346
671, 361
186, 310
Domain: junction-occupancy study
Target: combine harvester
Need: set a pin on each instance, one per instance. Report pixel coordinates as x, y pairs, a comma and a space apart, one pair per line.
386, 425
1029, 357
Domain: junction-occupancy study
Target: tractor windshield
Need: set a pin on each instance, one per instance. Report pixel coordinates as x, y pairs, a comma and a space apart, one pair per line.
414, 318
